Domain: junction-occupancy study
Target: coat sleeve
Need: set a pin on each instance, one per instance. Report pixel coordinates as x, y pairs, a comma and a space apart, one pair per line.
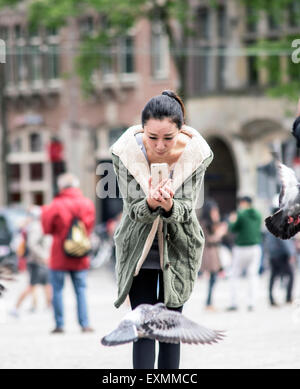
48, 218
236, 226
185, 199
136, 205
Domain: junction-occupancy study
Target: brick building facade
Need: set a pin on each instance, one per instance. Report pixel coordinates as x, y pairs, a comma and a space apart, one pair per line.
44, 99
225, 101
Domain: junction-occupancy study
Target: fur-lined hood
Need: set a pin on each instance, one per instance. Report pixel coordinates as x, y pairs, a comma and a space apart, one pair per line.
127, 149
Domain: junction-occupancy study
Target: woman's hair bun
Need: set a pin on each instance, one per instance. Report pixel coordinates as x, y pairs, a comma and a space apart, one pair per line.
173, 95
165, 105
169, 93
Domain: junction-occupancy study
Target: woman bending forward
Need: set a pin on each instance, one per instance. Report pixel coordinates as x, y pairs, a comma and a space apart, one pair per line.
159, 241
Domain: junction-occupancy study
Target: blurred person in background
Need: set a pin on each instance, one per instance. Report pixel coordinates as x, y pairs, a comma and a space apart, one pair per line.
297, 249
214, 230
56, 220
296, 125
56, 156
37, 254
21, 247
281, 255
246, 225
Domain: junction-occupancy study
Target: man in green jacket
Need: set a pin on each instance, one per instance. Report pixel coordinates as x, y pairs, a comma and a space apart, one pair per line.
246, 224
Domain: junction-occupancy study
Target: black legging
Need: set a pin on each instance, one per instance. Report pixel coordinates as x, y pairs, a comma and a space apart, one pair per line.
280, 267
144, 291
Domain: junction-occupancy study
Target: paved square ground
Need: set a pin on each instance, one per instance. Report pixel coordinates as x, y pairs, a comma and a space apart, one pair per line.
266, 338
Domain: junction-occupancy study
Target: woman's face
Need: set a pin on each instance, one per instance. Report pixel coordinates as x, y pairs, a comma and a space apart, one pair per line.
160, 136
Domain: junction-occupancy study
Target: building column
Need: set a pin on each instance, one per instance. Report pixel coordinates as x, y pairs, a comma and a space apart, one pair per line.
246, 179
235, 74
2, 197
25, 185
48, 180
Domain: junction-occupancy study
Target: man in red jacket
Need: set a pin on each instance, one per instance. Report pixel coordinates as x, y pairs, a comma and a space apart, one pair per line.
56, 220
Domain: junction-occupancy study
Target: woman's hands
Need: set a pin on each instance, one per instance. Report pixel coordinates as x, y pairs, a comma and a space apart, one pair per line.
161, 196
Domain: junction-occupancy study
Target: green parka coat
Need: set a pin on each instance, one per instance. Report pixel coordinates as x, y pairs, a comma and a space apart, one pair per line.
180, 236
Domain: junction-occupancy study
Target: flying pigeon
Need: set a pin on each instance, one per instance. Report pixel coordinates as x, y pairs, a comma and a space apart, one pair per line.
159, 323
296, 129
285, 222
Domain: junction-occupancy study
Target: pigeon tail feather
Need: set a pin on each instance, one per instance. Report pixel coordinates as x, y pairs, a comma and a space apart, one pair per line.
274, 223
279, 227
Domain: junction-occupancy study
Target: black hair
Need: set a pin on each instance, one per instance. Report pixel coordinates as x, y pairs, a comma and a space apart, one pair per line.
245, 198
166, 105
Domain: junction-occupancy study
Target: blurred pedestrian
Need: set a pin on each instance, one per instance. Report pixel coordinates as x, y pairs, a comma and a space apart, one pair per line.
281, 256
214, 230
21, 246
297, 250
38, 248
57, 219
58, 165
296, 125
246, 224
159, 241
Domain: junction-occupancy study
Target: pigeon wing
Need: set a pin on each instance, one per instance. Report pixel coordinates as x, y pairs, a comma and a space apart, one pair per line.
126, 332
289, 185
172, 327
278, 225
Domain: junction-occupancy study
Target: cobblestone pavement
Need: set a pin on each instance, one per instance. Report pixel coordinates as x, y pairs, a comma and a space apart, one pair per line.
265, 338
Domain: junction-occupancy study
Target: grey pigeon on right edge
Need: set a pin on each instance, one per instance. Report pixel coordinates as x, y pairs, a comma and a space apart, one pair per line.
159, 323
285, 223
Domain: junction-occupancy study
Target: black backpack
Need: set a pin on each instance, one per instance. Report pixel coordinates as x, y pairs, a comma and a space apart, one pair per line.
77, 244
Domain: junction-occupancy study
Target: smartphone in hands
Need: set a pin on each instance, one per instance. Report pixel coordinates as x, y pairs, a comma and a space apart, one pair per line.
159, 172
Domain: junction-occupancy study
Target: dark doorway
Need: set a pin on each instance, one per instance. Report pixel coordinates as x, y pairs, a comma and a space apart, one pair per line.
220, 177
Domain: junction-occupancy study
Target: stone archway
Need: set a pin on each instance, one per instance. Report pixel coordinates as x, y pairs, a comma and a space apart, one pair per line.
221, 176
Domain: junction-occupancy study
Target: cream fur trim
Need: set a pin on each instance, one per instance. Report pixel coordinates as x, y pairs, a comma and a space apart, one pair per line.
147, 245
129, 152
